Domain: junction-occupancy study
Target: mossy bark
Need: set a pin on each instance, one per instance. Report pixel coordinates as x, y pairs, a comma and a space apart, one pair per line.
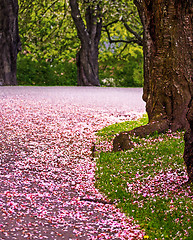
168, 65
9, 41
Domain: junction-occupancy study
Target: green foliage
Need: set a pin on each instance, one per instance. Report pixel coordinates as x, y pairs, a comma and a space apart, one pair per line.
109, 132
146, 183
121, 63
122, 72
46, 30
49, 44
42, 73
49, 37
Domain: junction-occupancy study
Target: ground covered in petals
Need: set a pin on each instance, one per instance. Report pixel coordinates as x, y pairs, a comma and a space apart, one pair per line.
47, 173
148, 182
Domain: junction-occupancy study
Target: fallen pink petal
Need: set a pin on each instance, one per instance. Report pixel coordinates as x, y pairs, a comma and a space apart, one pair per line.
47, 174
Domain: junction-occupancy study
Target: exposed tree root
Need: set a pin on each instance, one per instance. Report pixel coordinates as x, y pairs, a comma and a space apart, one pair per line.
123, 141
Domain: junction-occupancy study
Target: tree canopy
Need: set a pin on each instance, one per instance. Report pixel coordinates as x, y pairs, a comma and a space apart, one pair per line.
48, 35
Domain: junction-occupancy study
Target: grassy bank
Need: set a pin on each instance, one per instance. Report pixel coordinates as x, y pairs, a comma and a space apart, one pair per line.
147, 182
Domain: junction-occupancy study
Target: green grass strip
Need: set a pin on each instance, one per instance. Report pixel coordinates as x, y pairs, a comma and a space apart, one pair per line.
146, 182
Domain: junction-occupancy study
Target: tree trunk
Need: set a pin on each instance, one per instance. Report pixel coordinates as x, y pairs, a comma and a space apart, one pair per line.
188, 137
9, 41
87, 65
89, 35
168, 53
168, 65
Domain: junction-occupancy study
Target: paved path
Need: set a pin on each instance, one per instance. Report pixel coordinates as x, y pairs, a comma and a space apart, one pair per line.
46, 170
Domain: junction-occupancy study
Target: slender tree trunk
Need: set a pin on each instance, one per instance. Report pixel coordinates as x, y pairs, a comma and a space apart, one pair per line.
89, 35
168, 65
9, 41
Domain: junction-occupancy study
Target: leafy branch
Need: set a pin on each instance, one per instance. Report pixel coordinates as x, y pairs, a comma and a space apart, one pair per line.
137, 38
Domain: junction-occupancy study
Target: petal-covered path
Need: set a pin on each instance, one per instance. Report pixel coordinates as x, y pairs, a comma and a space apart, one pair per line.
46, 169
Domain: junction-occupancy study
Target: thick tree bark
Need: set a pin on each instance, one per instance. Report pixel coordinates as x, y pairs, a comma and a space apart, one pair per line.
168, 53
89, 35
188, 137
168, 65
9, 41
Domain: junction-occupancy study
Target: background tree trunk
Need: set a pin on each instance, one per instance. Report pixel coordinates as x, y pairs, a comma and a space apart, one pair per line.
168, 66
9, 41
168, 52
87, 65
89, 35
